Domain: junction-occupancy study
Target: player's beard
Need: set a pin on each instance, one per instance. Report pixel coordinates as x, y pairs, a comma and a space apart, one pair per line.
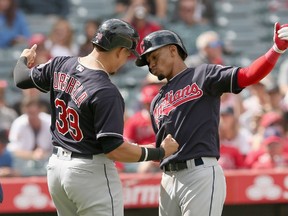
161, 77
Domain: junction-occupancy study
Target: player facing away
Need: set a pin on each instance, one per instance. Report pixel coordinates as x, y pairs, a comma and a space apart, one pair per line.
187, 107
87, 123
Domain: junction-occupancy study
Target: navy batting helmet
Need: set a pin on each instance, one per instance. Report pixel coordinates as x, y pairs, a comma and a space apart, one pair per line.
156, 40
116, 33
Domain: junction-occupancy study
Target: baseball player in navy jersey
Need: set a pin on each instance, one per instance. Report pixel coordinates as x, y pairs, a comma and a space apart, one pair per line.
187, 107
87, 122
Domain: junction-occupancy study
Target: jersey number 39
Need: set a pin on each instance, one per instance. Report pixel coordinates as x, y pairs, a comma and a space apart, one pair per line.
68, 121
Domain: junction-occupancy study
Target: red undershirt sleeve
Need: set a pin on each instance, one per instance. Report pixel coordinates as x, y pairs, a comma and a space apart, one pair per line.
258, 69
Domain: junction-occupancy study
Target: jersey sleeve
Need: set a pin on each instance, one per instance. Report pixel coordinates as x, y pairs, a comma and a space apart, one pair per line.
41, 75
109, 112
220, 79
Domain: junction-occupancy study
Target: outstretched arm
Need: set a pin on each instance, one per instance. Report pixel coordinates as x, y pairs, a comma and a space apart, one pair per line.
21, 72
264, 64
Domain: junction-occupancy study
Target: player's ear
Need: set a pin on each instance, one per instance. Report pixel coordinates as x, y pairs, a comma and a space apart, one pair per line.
120, 51
173, 50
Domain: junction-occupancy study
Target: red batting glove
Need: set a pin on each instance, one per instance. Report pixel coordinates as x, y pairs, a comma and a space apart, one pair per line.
280, 38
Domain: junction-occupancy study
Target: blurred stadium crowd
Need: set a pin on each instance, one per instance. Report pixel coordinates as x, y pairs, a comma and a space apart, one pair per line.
253, 125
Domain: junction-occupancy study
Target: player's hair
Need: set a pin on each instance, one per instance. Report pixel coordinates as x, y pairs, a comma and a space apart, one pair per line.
181, 53
99, 48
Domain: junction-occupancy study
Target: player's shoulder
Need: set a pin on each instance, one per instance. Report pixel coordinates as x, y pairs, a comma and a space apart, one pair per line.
213, 68
55, 61
63, 59
109, 89
101, 87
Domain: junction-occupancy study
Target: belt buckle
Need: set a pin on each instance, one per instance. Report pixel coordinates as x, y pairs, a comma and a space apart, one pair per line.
64, 154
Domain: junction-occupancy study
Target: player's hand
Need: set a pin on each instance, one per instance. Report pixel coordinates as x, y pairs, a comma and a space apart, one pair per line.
30, 54
280, 37
170, 145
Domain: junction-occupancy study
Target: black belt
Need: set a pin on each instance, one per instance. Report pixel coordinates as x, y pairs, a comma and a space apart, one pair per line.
75, 154
177, 166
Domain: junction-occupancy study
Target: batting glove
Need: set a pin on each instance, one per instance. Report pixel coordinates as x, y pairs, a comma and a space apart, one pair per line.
280, 38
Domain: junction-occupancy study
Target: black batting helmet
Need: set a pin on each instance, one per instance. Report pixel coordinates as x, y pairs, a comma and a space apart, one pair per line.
156, 40
116, 33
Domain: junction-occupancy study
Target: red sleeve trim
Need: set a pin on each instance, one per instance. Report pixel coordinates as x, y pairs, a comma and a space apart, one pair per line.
258, 69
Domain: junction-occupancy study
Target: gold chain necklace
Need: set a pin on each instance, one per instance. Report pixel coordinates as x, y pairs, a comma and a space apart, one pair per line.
99, 62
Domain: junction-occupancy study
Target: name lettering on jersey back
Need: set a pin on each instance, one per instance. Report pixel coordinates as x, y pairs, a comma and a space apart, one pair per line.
70, 85
172, 100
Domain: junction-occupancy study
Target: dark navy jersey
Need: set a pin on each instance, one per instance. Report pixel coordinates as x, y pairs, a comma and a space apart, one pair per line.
85, 105
187, 107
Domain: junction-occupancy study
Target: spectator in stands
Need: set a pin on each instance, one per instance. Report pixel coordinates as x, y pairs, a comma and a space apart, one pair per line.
273, 155
61, 38
42, 98
52, 7
30, 139
43, 54
138, 127
255, 104
138, 16
91, 27
276, 98
209, 50
156, 8
234, 101
121, 6
272, 129
232, 133
14, 28
269, 123
6, 158
230, 157
7, 114
208, 11
189, 23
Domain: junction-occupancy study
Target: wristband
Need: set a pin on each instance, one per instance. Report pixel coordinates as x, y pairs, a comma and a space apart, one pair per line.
149, 154
276, 49
143, 154
146, 154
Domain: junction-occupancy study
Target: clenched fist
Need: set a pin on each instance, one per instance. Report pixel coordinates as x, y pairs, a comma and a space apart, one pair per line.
280, 38
30, 54
170, 145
